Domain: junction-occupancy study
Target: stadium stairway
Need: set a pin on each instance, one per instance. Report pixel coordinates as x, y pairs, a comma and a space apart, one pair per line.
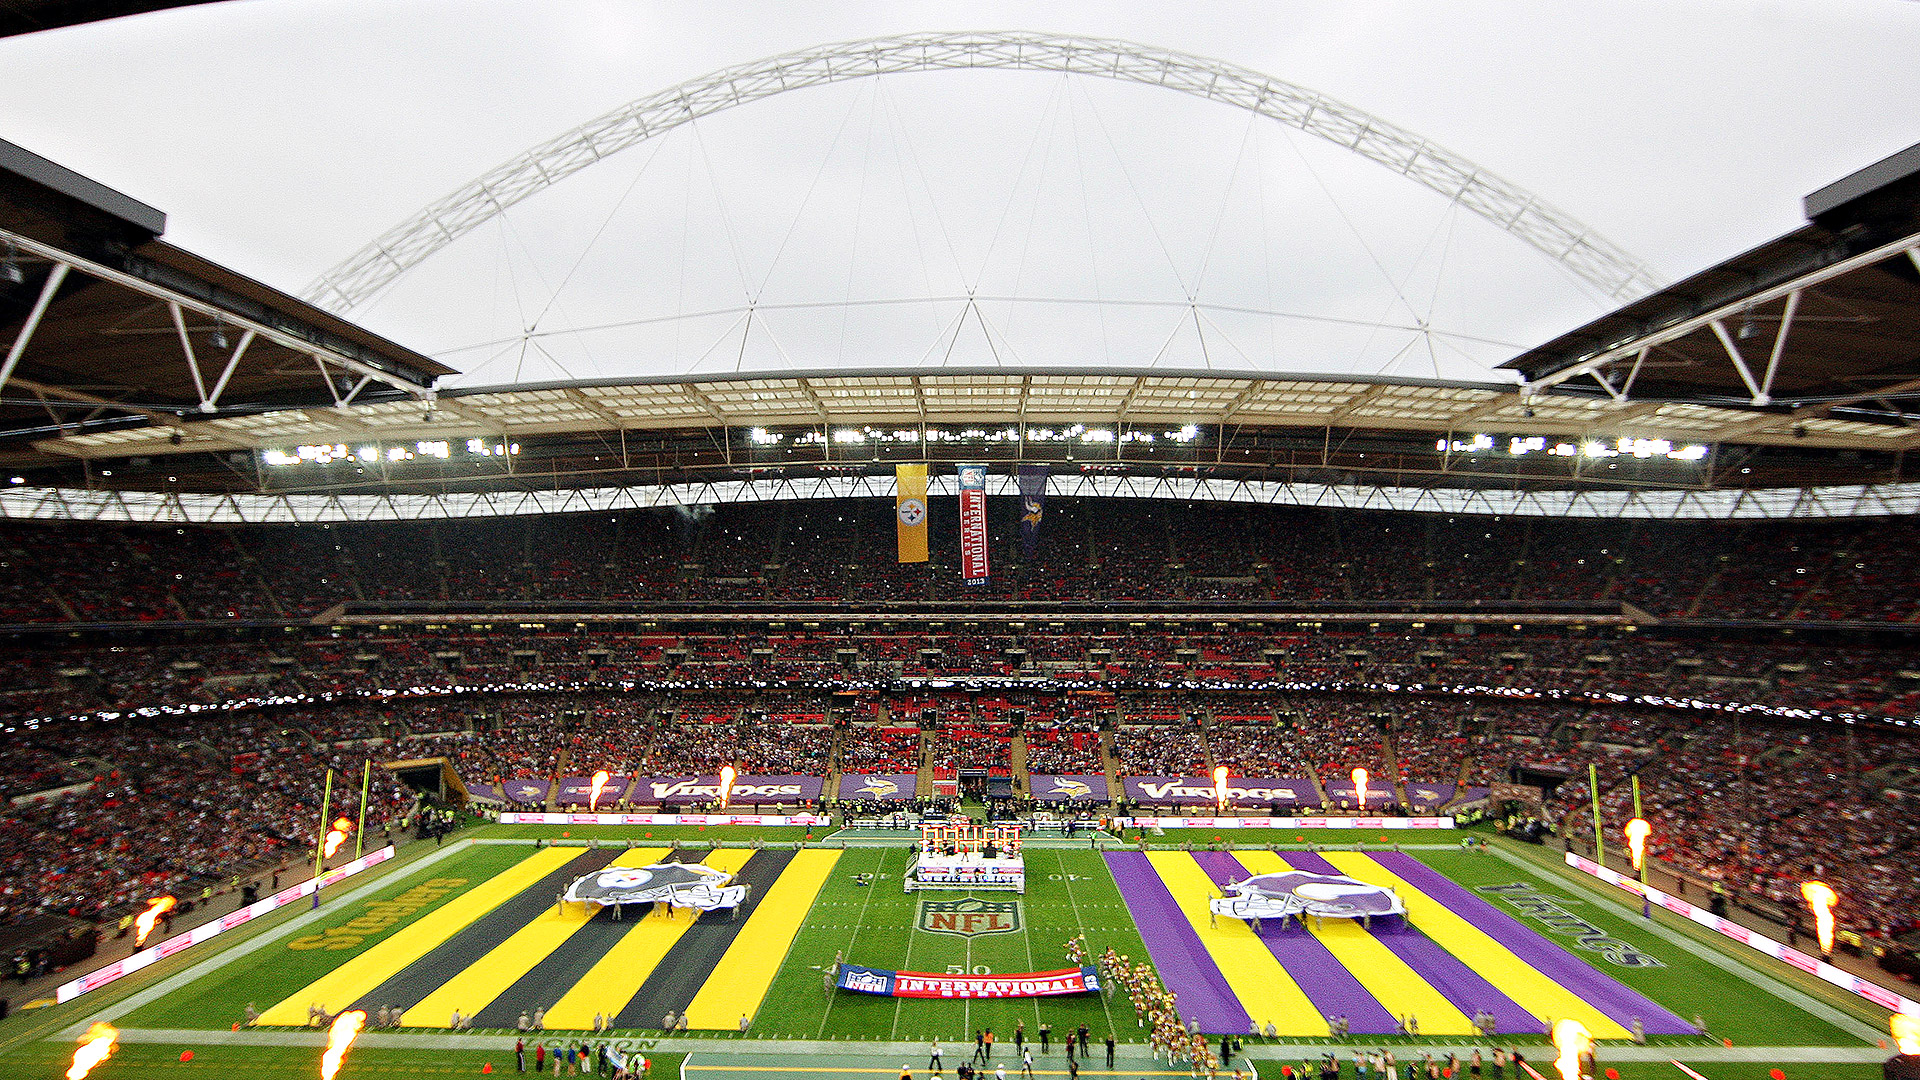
1017, 754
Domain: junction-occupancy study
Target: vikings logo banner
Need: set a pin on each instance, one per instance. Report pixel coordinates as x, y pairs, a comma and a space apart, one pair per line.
910, 511
973, 523
876, 786
1033, 503
1068, 788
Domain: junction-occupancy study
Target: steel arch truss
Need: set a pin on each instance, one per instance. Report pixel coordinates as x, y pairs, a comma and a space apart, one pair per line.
152, 507
1585, 253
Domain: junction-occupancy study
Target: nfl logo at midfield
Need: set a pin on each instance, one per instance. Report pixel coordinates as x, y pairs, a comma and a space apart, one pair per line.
970, 917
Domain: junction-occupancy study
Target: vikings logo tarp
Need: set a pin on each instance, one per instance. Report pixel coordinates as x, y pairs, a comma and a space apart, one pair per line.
854, 786
1297, 892
679, 884
1048, 788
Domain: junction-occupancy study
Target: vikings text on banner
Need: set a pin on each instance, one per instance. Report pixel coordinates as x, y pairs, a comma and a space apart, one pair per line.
973, 523
910, 511
920, 984
1033, 503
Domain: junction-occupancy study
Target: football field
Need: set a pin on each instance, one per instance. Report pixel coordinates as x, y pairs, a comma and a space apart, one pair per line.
474, 927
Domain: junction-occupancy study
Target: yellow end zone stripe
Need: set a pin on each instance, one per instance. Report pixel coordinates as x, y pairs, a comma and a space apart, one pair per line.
488, 977
1514, 977
1387, 977
739, 982
619, 974
352, 980
1264, 988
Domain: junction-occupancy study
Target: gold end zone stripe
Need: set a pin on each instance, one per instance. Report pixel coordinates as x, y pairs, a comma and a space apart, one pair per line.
739, 982
1477, 949
488, 977
1264, 988
352, 980
1387, 977
612, 982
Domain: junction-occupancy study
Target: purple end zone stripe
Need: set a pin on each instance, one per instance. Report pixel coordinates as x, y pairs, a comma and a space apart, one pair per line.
1181, 960
1321, 976
1618, 1001
1462, 986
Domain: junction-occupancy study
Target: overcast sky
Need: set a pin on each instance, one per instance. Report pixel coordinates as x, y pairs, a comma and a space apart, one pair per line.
281, 135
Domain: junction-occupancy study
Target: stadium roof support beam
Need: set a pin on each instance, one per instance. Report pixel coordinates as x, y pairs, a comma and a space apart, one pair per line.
155, 507
64, 261
1715, 319
1553, 232
55, 277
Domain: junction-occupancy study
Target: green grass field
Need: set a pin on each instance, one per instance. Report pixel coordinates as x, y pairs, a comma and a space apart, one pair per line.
1744, 998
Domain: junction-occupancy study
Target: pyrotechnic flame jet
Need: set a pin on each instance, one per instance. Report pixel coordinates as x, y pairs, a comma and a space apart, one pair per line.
1573, 1040
1820, 897
1360, 785
1220, 786
344, 1029
1637, 831
1906, 1032
156, 907
726, 784
337, 836
94, 1048
599, 784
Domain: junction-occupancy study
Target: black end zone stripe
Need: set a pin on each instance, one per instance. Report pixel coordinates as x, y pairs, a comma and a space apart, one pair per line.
451, 957
551, 978
687, 966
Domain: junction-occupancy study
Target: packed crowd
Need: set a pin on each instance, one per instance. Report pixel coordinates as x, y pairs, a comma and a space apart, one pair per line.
1090, 549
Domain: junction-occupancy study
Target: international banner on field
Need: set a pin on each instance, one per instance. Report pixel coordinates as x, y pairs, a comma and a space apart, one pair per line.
973, 523
921, 984
1033, 504
910, 511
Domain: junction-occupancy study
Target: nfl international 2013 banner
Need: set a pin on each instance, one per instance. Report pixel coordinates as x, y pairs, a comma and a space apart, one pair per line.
921, 984
973, 523
910, 511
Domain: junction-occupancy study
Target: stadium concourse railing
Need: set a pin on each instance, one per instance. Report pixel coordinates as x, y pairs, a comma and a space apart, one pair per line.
1752, 939
211, 929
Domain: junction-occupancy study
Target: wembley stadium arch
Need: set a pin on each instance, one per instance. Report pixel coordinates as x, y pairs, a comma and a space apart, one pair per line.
1556, 234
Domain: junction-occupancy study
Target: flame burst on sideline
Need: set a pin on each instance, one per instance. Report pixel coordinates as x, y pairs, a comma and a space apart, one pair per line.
156, 907
1820, 897
344, 1029
1906, 1032
726, 785
337, 836
599, 784
1220, 786
98, 1042
1360, 786
1637, 831
1574, 1042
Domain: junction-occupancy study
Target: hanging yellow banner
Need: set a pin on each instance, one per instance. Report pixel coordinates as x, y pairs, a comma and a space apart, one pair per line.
910, 511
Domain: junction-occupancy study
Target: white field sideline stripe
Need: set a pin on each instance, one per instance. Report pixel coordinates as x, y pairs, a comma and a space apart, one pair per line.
93, 980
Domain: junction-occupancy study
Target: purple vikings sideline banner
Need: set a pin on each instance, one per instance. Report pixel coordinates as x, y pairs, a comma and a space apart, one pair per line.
1198, 790
1378, 793
876, 786
578, 791
525, 791
704, 789
1049, 788
1033, 503
1429, 796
